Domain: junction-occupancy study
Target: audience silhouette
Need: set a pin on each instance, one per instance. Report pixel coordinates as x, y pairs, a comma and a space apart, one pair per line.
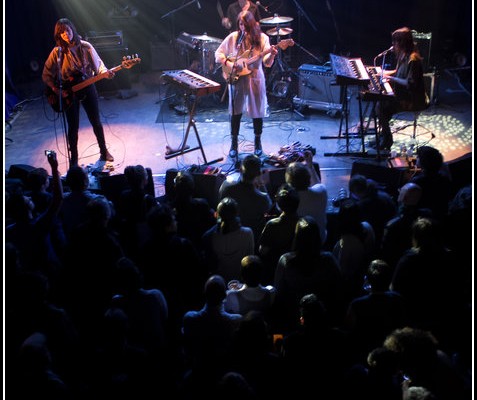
96, 310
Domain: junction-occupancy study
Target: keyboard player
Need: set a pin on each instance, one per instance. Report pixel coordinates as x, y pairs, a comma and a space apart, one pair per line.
407, 82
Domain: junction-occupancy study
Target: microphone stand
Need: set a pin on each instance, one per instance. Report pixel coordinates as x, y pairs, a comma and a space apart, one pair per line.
178, 8
61, 111
302, 12
308, 52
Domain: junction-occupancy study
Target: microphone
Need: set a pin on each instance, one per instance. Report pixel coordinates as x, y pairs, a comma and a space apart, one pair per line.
385, 52
262, 7
240, 39
198, 5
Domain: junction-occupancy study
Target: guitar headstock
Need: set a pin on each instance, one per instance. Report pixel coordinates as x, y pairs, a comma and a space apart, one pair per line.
283, 44
130, 61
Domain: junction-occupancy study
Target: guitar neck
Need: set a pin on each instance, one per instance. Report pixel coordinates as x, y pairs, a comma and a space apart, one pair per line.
94, 79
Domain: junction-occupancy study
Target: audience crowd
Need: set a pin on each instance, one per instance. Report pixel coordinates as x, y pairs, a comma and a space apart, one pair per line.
172, 297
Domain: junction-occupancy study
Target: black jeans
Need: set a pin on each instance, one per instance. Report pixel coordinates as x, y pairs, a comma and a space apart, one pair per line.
88, 97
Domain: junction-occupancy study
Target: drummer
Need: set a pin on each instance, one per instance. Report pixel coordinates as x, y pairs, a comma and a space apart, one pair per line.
234, 9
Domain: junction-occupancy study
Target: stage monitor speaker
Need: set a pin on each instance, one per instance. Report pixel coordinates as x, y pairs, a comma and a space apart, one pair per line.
111, 186
113, 57
206, 185
277, 178
387, 179
20, 171
317, 88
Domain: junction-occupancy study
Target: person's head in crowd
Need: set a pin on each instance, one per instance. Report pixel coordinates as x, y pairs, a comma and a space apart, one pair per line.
313, 312
378, 275
417, 393
19, 207
410, 194
429, 159
426, 233
127, 277
228, 214
99, 211
77, 178
251, 167
358, 186
416, 349
161, 220
252, 269
184, 185
38, 179
136, 176
307, 236
287, 199
349, 218
215, 290
298, 175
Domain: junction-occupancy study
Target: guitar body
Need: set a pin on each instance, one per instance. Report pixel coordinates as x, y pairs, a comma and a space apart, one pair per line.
54, 99
72, 87
232, 74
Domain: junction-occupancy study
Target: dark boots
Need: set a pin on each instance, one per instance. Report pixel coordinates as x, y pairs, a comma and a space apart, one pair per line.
257, 129
105, 155
234, 131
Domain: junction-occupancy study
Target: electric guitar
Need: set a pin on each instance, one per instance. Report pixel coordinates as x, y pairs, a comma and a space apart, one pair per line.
232, 75
70, 88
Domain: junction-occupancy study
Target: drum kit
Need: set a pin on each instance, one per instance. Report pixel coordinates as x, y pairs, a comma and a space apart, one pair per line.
199, 50
280, 29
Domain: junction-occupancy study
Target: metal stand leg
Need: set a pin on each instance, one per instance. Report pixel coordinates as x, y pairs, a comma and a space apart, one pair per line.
183, 147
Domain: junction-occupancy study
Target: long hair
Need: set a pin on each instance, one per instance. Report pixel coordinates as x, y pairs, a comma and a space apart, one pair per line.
60, 27
403, 37
252, 28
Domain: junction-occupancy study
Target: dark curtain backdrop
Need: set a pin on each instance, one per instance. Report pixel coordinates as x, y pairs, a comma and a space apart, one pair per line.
348, 27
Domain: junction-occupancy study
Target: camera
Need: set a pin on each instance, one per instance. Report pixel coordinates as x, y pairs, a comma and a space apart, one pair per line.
49, 153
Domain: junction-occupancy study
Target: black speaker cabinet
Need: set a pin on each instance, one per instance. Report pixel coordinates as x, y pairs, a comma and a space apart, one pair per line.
206, 185
20, 171
317, 88
111, 186
387, 179
113, 58
423, 41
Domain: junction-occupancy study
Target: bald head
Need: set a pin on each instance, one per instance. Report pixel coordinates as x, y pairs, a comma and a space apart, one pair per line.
410, 194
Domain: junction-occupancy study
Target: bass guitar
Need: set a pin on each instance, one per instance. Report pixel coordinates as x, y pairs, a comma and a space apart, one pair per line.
54, 100
232, 74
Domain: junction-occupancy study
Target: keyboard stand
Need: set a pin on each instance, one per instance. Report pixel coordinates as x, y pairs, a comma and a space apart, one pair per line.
183, 147
346, 134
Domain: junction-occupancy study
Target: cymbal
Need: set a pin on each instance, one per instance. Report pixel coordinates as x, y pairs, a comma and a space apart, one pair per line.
206, 38
276, 20
281, 32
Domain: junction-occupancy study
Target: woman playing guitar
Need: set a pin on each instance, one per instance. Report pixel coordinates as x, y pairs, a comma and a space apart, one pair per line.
247, 92
72, 61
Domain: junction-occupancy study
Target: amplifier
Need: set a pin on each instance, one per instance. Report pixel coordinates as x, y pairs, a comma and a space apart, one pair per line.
317, 88
107, 39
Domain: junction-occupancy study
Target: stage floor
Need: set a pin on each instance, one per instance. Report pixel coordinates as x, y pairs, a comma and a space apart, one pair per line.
140, 122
